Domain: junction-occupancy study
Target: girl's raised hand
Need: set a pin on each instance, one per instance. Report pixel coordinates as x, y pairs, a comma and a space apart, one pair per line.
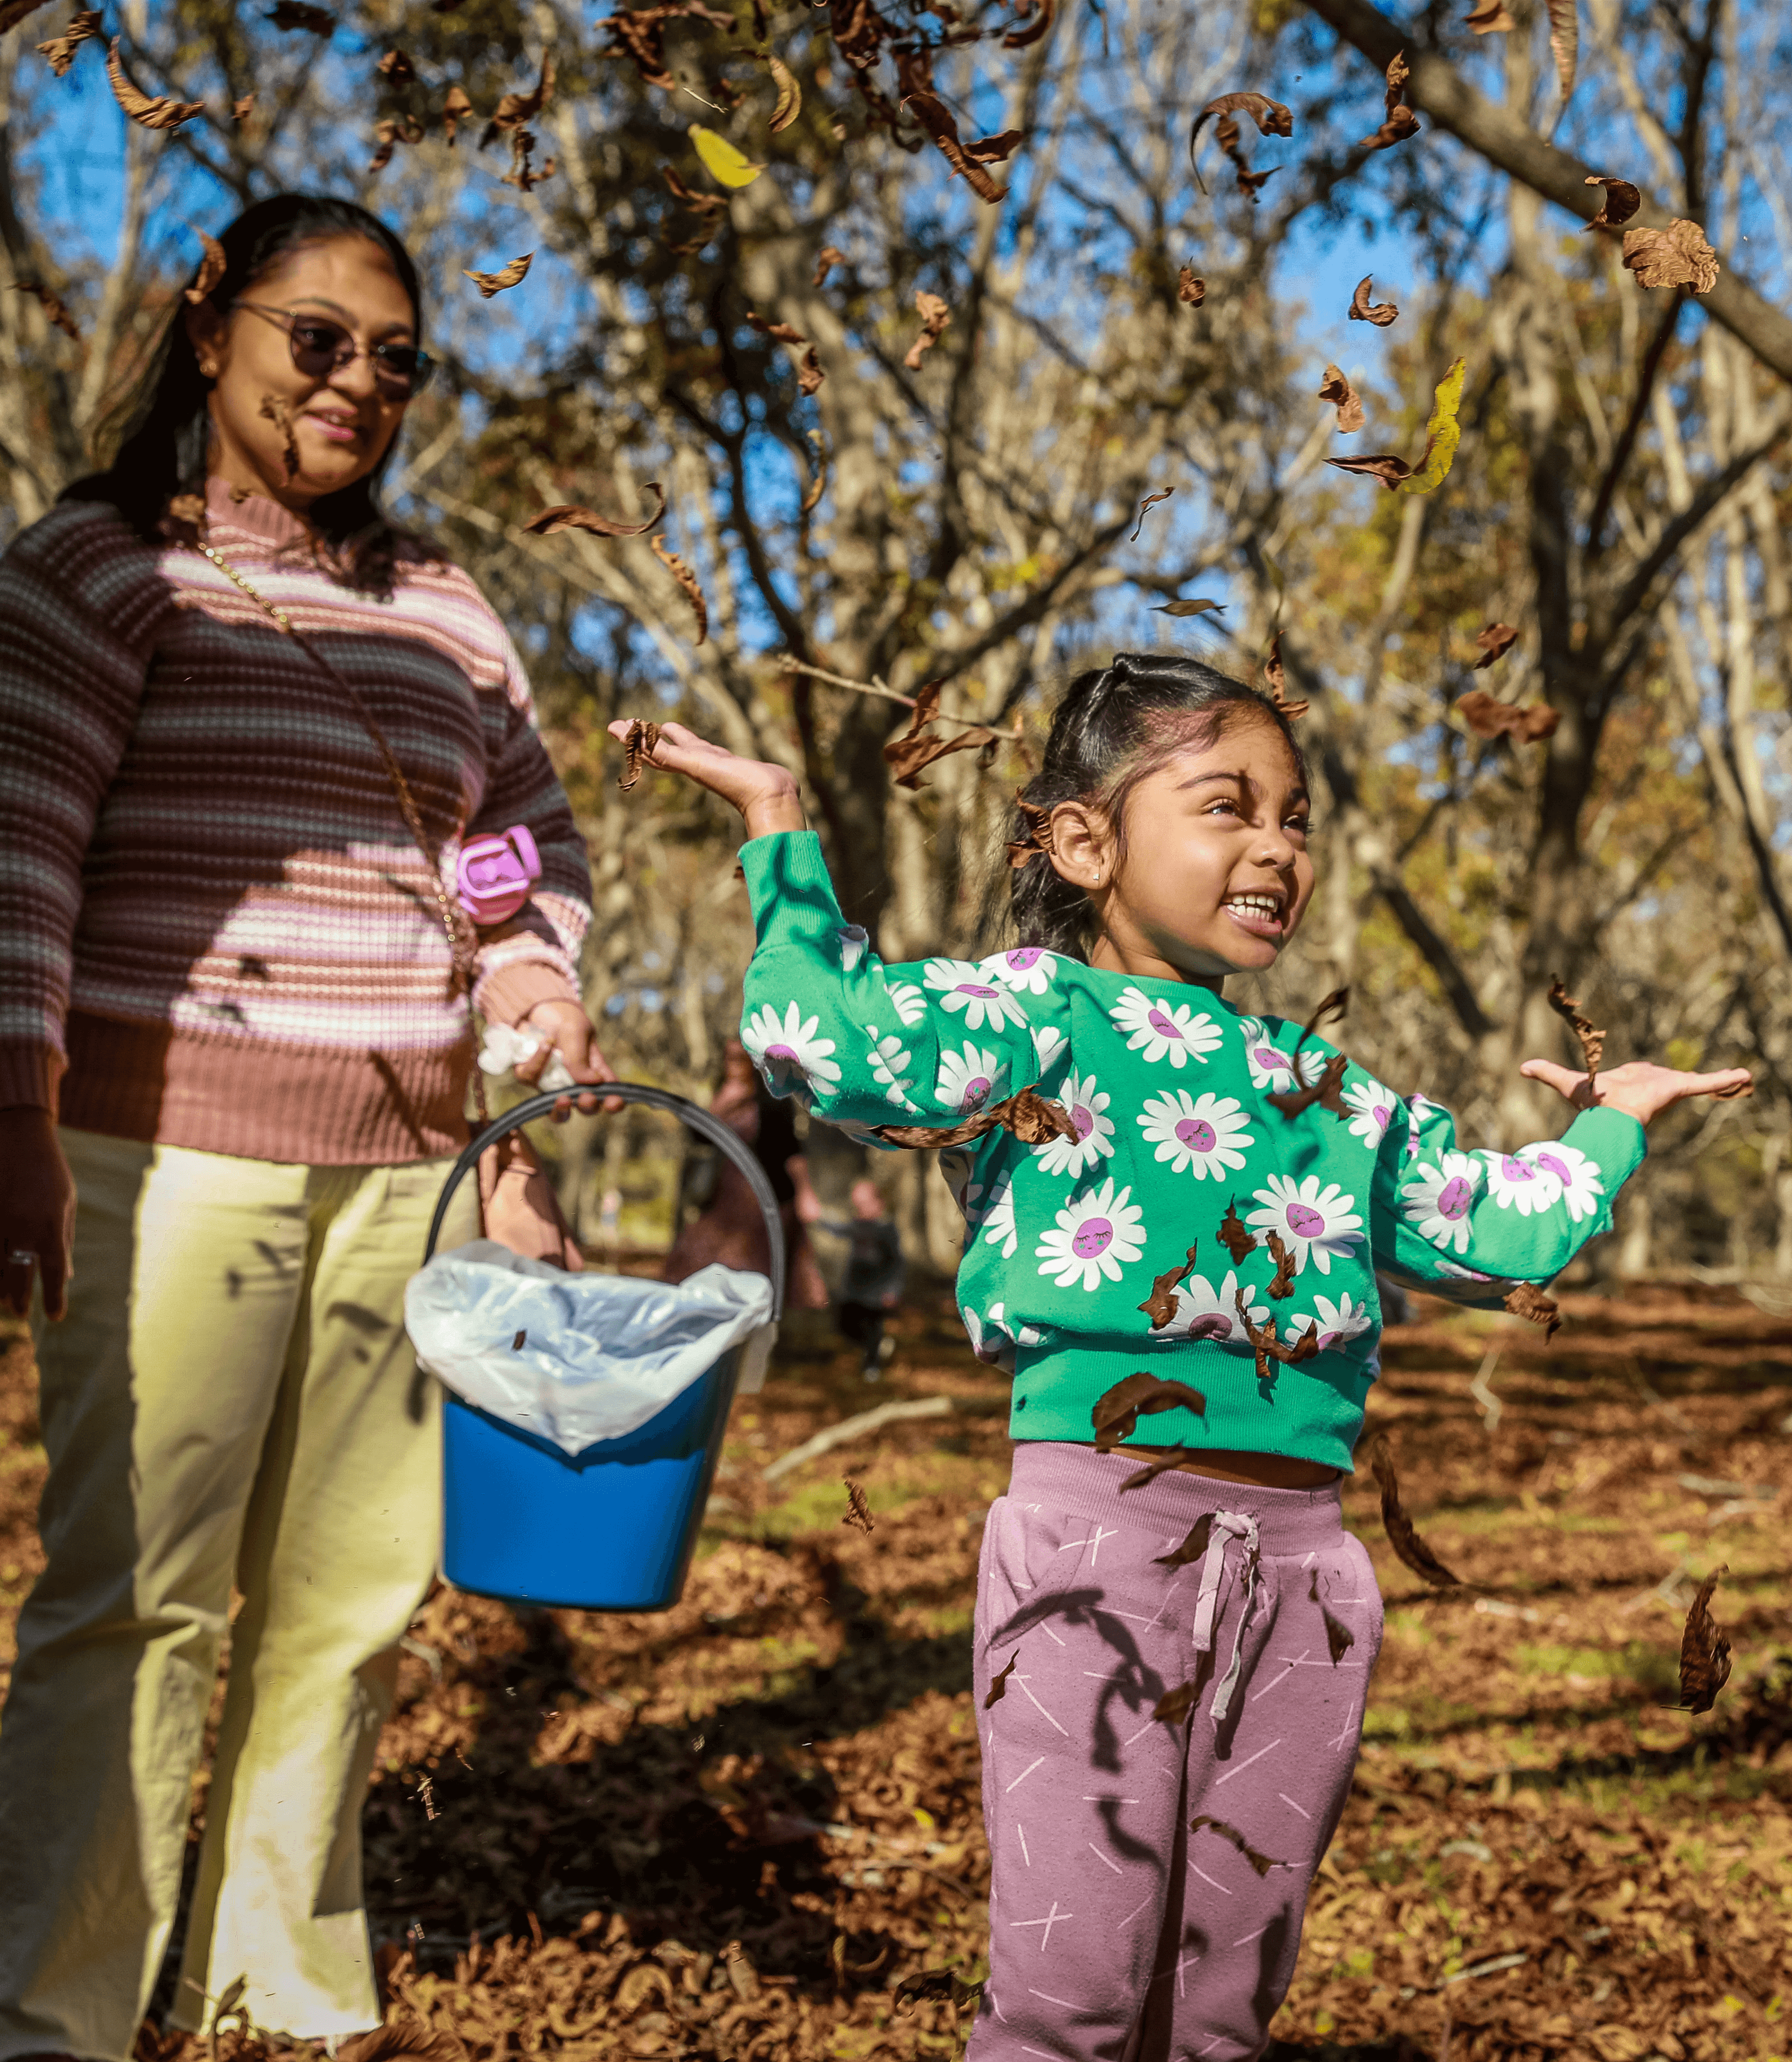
764, 794
1640, 1088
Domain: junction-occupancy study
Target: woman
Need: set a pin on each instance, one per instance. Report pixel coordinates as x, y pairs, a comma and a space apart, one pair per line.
237, 710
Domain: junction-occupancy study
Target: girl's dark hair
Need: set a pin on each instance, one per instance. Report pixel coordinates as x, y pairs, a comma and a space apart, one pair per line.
162, 423
1116, 724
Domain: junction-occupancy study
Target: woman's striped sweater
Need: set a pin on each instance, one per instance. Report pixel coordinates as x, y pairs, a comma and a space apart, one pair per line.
215, 930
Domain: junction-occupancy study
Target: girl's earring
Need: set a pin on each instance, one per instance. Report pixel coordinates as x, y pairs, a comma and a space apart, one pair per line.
208, 370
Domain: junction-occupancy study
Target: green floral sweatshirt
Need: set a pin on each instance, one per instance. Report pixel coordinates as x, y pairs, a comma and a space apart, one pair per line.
1167, 1086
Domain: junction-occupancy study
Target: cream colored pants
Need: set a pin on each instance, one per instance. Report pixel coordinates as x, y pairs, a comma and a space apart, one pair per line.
231, 1396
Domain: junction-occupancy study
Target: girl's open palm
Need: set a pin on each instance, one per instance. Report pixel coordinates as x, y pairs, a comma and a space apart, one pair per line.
764, 794
1640, 1088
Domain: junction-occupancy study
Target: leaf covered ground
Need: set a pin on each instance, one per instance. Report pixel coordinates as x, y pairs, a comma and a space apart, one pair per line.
732, 1830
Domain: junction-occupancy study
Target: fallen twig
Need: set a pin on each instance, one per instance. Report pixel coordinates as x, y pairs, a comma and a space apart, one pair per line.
852, 1428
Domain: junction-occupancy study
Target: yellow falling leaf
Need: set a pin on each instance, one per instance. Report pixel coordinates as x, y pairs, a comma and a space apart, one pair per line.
729, 166
1442, 434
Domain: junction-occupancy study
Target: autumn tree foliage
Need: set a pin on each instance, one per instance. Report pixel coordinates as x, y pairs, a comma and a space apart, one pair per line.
801, 359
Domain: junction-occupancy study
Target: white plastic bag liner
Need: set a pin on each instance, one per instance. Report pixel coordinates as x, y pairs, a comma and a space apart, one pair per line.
575, 1357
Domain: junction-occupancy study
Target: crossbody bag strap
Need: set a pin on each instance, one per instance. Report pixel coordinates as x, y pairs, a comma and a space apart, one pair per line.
455, 924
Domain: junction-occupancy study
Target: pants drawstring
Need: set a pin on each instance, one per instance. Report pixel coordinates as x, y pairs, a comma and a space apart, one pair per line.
1228, 1525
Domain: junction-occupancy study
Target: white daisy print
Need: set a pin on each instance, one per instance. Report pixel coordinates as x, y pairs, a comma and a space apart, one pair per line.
958, 985
888, 1057
908, 1002
1097, 1234
1204, 1312
1049, 1046
1028, 970
1198, 1135
1463, 1274
1581, 1189
970, 1079
1521, 1185
853, 940
1371, 1108
1164, 1031
1270, 1068
786, 1051
993, 1339
1437, 1200
1095, 1132
1316, 1224
1338, 1323
998, 1218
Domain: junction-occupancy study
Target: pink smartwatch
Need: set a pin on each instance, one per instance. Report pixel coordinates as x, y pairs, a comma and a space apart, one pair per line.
496, 874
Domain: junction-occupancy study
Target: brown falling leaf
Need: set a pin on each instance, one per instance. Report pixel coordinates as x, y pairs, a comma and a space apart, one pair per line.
1160, 1305
1190, 290
780, 332
1495, 641
148, 113
1336, 389
1621, 203
1197, 606
274, 409
998, 1684
571, 515
60, 50
1400, 121
1164, 1463
1676, 256
858, 1511
1565, 42
496, 283
55, 311
212, 267
241, 110
397, 69
1487, 716
1114, 1415
296, 15
1282, 1283
1325, 1090
1389, 467
1275, 680
638, 748
948, 1985
1193, 1545
456, 108
706, 205
1233, 1235
966, 161
826, 258
1339, 1637
1261, 1864
687, 580
1402, 1535
1271, 117
1380, 313
187, 512
1524, 1300
1018, 39
516, 110
389, 132
1028, 1117
522, 175
1489, 18
810, 372
1704, 1650
790, 95
1150, 501
1268, 1349
919, 747
936, 316
1591, 1037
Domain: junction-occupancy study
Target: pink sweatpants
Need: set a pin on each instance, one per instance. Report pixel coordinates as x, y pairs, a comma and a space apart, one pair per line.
1149, 1877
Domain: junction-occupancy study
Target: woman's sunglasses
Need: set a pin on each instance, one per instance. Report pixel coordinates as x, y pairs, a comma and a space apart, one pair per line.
320, 347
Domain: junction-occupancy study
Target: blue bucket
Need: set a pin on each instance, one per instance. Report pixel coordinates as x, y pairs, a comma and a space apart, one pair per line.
611, 1528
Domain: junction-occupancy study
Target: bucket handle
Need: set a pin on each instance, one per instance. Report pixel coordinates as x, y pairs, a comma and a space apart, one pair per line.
692, 1116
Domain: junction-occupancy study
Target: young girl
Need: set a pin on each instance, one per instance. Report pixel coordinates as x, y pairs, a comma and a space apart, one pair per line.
1149, 1874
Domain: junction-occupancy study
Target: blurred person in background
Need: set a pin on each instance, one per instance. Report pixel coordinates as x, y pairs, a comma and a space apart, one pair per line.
245, 725
871, 1287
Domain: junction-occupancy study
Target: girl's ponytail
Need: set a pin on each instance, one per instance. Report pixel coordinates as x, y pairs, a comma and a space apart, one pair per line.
1115, 724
